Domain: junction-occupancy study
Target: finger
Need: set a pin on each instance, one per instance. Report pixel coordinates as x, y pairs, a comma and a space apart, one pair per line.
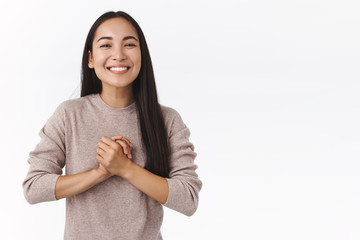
100, 151
119, 137
125, 147
128, 142
113, 147
128, 149
127, 152
109, 142
103, 146
129, 155
99, 158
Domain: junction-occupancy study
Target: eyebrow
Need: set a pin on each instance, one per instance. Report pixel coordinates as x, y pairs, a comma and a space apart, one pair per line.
124, 39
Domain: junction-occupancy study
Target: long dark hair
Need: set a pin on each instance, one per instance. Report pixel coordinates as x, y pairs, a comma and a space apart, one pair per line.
153, 131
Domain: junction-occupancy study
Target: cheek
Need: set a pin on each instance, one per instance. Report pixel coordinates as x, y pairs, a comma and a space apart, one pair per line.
99, 58
137, 60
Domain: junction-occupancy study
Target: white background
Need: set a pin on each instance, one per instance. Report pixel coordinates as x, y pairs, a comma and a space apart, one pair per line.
269, 89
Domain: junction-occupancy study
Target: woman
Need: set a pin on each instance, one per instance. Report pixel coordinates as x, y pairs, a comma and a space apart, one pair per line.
124, 154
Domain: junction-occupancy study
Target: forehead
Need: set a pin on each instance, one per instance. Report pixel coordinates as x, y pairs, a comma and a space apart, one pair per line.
116, 28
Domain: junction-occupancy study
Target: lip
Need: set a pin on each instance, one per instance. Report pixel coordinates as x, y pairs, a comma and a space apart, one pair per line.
118, 65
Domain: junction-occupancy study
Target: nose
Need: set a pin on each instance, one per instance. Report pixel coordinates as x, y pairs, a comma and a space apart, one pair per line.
119, 54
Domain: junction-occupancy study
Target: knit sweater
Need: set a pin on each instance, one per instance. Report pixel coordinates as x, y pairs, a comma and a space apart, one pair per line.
113, 209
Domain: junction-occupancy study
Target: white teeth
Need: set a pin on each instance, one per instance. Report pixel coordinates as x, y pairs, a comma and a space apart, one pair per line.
118, 68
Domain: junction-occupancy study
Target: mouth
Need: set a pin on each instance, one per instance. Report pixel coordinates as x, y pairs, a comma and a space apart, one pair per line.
121, 69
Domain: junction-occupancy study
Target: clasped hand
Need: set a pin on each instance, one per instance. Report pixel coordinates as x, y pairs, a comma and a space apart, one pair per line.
113, 155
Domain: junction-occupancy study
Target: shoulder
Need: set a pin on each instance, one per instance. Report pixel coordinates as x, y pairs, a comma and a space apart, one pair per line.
168, 112
172, 119
75, 104
68, 108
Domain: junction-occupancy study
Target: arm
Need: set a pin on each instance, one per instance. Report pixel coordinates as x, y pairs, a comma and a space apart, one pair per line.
69, 185
151, 184
46, 160
184, 184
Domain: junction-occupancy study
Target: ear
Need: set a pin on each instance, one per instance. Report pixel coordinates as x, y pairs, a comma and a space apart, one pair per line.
91, 60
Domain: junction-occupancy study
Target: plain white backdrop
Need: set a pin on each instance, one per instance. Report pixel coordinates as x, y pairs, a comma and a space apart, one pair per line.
269, 89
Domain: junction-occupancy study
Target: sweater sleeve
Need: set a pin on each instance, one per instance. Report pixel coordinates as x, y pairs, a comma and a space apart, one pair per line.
184, 184
46, 160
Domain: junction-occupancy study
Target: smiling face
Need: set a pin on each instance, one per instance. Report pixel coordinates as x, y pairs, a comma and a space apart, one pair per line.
116, 55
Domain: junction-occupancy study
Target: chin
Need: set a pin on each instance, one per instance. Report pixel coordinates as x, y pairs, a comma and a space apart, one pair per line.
122, 85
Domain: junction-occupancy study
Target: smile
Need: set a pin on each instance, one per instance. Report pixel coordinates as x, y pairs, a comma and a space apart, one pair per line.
118, 69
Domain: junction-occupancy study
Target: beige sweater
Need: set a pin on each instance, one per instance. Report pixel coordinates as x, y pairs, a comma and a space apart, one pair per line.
113, 209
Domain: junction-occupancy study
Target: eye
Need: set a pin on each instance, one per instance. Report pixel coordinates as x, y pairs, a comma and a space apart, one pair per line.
105, 45
130, 45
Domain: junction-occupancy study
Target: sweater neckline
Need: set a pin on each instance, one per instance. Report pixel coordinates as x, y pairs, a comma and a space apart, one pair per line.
103, 105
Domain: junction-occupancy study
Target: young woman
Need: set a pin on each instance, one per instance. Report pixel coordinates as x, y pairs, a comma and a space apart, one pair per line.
125, 155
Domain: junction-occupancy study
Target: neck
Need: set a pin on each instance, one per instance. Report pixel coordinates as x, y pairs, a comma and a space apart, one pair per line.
118, 97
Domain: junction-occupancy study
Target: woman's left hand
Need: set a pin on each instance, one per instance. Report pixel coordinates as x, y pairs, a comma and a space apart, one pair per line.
110, 154
125, 143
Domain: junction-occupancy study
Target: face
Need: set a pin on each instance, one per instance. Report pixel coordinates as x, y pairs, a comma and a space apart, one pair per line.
116, 55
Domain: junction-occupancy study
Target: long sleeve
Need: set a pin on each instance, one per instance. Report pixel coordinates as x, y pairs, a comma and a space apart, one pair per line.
184, 184
46, 160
